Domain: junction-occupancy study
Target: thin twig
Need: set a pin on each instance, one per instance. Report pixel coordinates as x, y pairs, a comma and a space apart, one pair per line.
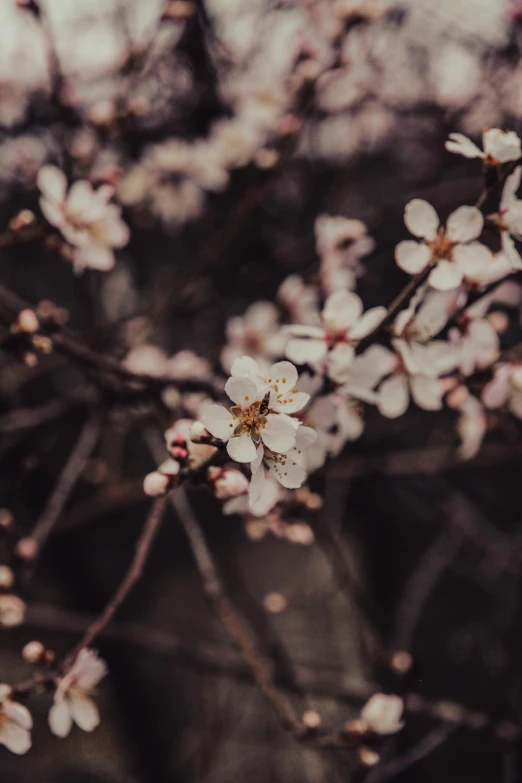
143, 548
67, 481
427, 745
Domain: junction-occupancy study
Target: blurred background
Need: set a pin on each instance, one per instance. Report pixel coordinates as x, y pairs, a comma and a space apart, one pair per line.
323, 107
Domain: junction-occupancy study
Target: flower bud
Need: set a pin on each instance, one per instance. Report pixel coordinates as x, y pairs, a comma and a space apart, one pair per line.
155, 484
383, 713
311, 719
6, 577
227, 482
27, 322
199, 433
27, 548
12, 611
34, 652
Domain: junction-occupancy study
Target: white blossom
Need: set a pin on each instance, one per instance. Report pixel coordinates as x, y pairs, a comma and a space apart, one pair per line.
227, 483
332, 343
263, 402
471, 425
72, 698
341, 244
15, 723
505, 389
452, 252
286, 468
499, 146
12, 610
257, 334
85, 218
383, 713
509, 221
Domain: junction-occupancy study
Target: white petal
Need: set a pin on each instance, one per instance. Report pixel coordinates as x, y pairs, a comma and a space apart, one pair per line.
284, 374
464, 224
279, 433
288, 473
412, 257
219, 421
257, 481
340, 361
246, 367
60, 720
445, 275
426, 392
305, 437
88, 668
474, 260
341, 310
502, 146
292, 403
302, 330
301, 351
421, 219
18, 713
81, 199
52, 212
495, 393
367, 323
510, 189
461, 145
242, 448
15, 738
52, 182
94, 256
271, 494
394, 396
370, 368
84, 712
242, 391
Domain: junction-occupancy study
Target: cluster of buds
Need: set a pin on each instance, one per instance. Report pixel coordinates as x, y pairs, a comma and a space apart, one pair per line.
12, 608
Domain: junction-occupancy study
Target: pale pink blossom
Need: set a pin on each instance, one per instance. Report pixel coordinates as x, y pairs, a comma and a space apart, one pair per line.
12, 610
263, 402
85, 218
505, 389
15, 723
332, 343
301, 301
452, 253
383, 713
257, 333
499, 146
478, 343
341, 244
227, 483
73, 696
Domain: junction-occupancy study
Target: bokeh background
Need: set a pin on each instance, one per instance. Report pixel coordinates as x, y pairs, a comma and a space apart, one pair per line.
433, 543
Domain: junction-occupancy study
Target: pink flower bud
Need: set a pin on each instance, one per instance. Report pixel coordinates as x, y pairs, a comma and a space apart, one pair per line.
227, 482
33, 652
155, 484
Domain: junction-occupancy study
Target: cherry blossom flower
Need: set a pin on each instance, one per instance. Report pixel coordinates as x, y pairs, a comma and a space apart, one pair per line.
15, 723
227, 483
505, 389
471, 425
299, 300
382, 713
257, 334
85, 218
416, 372
262, 404
336, 419
341, 243
343, 323
12, 610
451, 251
509, 219
478, 342
72, 698
499, 146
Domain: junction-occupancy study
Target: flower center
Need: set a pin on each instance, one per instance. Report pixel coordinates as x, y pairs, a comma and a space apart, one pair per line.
251, 420
336, 336
441, 246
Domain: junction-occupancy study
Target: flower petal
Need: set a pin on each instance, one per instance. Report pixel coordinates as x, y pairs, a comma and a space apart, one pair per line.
242, 391
288, 473
445, 275
15, 738
18, 713
461, 145
60, 719
219, 421
279, 433
393, 396
301, 351
421, 219
84, 712
412, 257
464, 224
510, 189
340, 361
284, 374
242, 448
426, 392
341, 310
501, 145
52, 182
367, 323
